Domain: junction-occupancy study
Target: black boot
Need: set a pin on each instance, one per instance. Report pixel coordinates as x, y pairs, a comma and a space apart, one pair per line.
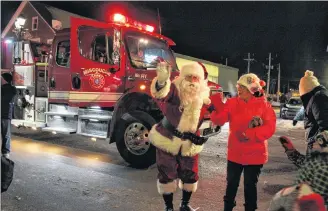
168, 199
185, 201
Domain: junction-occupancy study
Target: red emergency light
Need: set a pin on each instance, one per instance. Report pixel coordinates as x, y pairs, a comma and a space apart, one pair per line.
119, 18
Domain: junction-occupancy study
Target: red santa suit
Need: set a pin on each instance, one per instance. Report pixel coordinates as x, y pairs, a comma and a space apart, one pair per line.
177, 158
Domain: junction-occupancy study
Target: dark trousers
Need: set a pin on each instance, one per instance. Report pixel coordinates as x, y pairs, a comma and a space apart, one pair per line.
5, 135
251, 175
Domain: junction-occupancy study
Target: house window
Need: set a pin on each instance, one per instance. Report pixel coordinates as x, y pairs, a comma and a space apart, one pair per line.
35, 23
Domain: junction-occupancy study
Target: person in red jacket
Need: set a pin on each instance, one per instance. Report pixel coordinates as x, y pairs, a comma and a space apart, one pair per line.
252, 122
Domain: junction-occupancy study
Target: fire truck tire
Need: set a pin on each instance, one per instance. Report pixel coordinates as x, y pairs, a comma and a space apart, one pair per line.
136, 122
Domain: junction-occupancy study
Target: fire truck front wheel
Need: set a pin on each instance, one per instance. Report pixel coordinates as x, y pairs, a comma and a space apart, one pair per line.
132, 142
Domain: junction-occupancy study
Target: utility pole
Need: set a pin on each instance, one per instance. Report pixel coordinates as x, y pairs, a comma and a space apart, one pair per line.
249, 60
159, 21
226, 62
278, 90
268, 81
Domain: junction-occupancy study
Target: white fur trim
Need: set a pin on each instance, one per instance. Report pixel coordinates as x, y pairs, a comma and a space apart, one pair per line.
189, 149
166, 188
192, 69
174, 145
164, 143
162, 92
190, 187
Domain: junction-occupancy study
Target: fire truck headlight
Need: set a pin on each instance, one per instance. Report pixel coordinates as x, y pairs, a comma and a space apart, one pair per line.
142, 87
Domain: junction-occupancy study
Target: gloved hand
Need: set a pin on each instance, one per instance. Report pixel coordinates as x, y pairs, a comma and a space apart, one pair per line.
255, 122
197, 141
216, 101
163, 71
294, 122
241, 136
286, 144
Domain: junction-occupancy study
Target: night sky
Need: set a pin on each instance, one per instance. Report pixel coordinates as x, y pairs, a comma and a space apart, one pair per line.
297, 32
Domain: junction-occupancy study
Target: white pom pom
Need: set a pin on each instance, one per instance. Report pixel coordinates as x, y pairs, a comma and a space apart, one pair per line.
308, 73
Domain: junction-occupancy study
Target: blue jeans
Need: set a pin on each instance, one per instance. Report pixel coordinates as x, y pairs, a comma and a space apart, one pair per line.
5, 135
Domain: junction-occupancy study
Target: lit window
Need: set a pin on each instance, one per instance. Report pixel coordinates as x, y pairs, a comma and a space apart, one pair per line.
35, 23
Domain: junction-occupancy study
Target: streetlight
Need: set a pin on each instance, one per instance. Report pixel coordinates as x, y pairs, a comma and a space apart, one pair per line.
19, 26
19, 30
20, 22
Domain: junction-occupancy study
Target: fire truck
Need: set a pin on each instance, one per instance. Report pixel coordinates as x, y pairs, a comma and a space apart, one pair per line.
94, 80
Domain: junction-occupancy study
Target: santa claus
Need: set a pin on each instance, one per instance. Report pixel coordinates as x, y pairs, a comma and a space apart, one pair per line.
176, 137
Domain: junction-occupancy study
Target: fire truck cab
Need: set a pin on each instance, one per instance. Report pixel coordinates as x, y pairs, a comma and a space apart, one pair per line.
96, 83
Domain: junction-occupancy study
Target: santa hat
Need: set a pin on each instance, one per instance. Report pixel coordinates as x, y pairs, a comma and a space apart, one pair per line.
195, 69
308, 82
309, 200
251, 82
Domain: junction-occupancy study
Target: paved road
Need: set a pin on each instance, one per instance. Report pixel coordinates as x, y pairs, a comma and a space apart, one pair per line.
70, 173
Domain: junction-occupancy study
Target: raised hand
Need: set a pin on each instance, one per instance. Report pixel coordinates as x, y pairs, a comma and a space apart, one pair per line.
163, 71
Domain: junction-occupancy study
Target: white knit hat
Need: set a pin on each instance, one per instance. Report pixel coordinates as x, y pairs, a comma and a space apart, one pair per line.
308, 82
195, 69
252, 82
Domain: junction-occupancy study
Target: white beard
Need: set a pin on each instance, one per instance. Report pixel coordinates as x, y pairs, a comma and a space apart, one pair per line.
191, 104
189, 92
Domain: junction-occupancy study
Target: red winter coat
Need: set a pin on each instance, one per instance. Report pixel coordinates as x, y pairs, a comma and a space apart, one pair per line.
239, 113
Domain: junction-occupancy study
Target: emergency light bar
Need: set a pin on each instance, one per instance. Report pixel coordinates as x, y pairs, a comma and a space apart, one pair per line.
119, 18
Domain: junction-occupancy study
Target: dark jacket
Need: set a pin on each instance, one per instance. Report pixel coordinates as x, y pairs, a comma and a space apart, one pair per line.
8, 93
316, 111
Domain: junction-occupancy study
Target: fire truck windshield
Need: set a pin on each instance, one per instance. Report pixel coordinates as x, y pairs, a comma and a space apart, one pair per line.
143, 51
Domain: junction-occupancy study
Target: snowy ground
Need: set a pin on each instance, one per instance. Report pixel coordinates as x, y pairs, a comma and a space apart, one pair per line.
57, 172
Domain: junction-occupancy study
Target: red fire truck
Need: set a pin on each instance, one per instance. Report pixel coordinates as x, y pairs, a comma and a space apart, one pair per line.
94, 81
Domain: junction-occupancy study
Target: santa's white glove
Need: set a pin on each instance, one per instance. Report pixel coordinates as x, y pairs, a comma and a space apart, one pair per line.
163, 71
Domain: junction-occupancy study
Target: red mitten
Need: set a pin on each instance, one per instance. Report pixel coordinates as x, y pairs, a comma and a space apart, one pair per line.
217, 101
286, 143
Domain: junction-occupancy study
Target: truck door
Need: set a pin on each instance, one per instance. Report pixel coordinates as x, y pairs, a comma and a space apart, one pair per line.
95, 78
59, 70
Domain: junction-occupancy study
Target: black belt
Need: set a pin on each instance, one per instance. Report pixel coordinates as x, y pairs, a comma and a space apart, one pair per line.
186, 135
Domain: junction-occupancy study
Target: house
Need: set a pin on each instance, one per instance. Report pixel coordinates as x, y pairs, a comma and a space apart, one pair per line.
42, 21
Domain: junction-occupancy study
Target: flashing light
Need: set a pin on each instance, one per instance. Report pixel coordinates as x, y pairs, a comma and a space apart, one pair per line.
34, 128
149, 28
54, 132
142, 87
8, 41
93, 139
119, 18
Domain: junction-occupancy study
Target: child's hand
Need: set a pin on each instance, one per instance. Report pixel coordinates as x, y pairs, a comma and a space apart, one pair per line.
286, 143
